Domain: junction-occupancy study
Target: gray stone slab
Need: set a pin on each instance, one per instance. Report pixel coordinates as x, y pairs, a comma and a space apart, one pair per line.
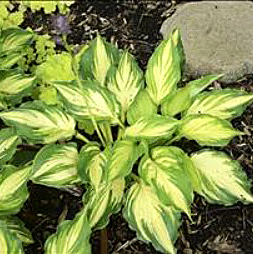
217, 37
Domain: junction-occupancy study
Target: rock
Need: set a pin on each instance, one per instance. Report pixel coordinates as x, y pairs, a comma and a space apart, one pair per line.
217, 37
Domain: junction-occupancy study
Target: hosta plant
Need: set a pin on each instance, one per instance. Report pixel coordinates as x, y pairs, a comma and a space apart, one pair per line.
131, 124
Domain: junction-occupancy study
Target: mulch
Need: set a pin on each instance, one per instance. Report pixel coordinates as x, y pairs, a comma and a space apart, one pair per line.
135, 25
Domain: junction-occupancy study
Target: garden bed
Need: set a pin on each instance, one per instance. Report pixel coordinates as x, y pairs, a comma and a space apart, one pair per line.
135, 25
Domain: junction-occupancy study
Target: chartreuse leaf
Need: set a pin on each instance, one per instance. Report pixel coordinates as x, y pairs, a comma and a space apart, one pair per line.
142, 106
222, 179
12, 83
124, 155
98, 59
56, 165
91, 164
151, 128
13, 38
8, 144
40, 123
126, 80
103, 202
166, 172
17, 227
225, 104
9, 243
208, 130
48, 94
184, 96
153, 221
89, 101
13, 190
56, 68
163, 71
72, 237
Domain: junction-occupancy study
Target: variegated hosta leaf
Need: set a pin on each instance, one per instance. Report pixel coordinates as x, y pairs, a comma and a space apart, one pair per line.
17, 227
40, 123
91, 164
223, 180
13, 190
13, 38
126, 80
72, 237
9, 59
142, 106
152, 128
196, 86
8, 144
89, 101
9, 243
124, 155
56, 68
184, 97
48, 94
98, 59
177, 41
225, 104
3, 103
14, 83
153, 221
56, 165
208, 130
103, 202
163, 71
167, 173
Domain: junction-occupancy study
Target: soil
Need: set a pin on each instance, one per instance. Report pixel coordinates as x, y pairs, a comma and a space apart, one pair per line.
135, 25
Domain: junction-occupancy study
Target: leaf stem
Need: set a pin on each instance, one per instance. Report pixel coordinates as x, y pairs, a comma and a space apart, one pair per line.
81, 137
98, 131
106, 131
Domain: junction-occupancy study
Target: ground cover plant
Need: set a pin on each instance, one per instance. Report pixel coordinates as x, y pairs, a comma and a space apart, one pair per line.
134, 163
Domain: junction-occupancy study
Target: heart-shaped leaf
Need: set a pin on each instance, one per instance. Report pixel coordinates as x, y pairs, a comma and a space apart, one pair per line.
153, 221
56, 165
166, 172
222, 179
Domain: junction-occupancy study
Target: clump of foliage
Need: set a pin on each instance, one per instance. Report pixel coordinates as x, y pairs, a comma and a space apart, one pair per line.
12, 12
137, 166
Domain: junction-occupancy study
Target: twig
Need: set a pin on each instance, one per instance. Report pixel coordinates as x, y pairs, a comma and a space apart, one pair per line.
125, 245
